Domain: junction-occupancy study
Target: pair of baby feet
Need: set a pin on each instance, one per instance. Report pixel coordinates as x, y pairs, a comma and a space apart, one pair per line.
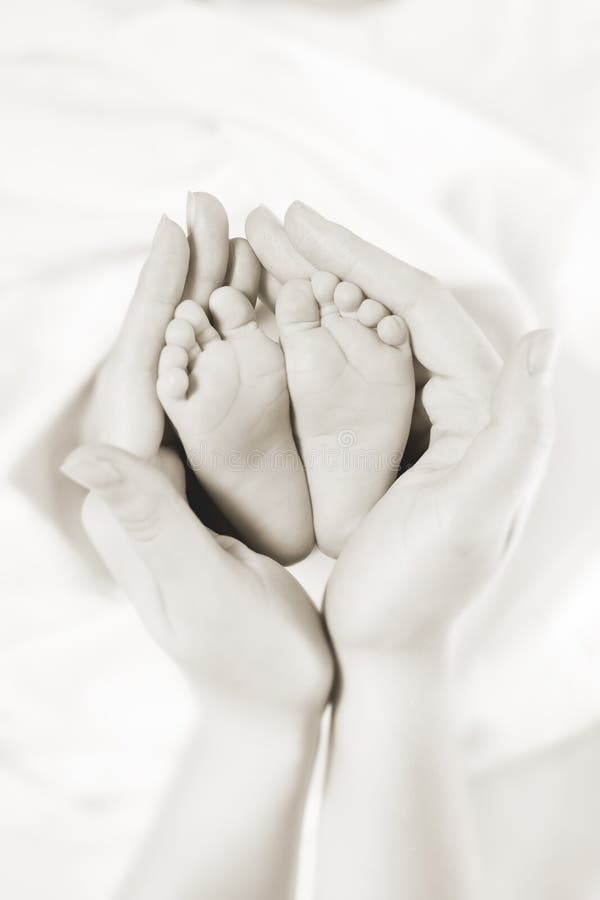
272, 429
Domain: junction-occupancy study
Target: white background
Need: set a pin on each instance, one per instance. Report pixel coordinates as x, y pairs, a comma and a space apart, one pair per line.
464, 137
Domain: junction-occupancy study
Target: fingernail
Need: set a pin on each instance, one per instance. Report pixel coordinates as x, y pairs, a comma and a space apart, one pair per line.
190, 210
310, 215
267, 210
304, 207
160, 228
90, 471
541, 357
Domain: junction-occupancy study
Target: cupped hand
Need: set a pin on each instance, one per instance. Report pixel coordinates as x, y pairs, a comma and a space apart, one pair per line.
238, 624
124, 409
439, 535
441, 531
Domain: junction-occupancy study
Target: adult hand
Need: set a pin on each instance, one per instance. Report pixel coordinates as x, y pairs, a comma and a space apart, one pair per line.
424, 551
442, 528
124, 410
454, 357
253, 649
238, 623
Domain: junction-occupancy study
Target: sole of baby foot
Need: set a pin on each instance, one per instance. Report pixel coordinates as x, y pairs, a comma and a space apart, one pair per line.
351, 383
222, 384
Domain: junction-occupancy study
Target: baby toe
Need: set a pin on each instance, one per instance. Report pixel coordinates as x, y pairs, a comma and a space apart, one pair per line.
173, 379
232, 312
392, 330
348, 297
172, 385
371, 312
297, 308
172, 357
192, 312
180, 333
323, 286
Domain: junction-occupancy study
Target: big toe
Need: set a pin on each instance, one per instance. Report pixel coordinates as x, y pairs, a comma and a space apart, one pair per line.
231, 311
297, 308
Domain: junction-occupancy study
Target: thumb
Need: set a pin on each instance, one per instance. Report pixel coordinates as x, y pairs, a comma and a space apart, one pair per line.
154, 516
505, 462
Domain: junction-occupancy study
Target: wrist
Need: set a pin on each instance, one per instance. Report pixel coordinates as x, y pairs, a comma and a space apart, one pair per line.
392, 707
386, 624
267, 695
260, 724
385, 687
424, 662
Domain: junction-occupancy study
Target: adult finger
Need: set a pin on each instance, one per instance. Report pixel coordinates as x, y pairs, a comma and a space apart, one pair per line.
503, 465
270, 242
268, 289
122, 562
140, 575
444, 339
243, 269
159, 290
208, 237
149, 508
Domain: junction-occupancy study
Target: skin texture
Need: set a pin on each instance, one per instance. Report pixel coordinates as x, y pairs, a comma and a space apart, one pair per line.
341, 367
427, 549
240, 385
447, 344
124, 409
222, 384
267, 783
208, 235
351, 386
252, 646
269, 620
392, 761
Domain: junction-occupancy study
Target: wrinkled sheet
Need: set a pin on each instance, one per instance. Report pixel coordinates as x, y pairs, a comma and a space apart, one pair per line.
462, 137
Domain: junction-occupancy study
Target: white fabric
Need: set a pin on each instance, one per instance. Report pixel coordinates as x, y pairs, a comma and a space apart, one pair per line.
463, 137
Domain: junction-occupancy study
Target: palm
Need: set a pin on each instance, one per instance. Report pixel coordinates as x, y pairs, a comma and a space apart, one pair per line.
434, 537
412, 526
249, 620
233, 619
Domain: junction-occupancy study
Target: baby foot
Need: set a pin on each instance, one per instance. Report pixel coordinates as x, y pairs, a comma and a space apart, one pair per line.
351, 383
222, 384
123, 409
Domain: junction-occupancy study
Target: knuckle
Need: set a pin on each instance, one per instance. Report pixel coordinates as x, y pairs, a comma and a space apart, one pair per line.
142, 519
452, 406
349, 257
535, 429
476, 548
